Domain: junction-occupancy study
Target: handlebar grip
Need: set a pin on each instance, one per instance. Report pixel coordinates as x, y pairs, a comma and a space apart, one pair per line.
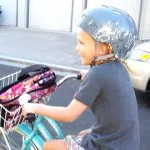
79, 76
31, 117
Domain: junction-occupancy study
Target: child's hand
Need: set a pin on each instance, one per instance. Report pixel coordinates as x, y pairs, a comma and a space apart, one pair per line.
83, 74
28, 108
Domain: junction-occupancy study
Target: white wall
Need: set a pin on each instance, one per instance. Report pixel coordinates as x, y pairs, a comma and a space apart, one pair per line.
78, 7
145, 21
22, 13
50, 14
8, 16
57, 15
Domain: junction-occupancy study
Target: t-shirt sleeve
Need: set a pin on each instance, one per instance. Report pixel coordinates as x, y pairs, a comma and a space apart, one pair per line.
90, 87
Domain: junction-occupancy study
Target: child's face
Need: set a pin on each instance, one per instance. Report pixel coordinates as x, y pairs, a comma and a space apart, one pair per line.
85, 47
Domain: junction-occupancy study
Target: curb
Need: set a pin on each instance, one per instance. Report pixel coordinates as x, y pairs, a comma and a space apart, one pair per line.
18, 62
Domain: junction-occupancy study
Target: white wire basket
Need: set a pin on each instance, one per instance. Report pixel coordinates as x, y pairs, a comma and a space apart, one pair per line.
9, 79
8, 118
11, 118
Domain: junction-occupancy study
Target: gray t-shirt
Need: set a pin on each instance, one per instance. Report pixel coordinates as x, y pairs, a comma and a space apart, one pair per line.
108, 91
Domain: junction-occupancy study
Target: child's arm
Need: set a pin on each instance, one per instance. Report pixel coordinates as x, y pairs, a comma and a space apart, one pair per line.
63, 114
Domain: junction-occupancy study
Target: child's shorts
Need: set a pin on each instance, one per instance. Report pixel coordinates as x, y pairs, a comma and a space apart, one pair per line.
74, 142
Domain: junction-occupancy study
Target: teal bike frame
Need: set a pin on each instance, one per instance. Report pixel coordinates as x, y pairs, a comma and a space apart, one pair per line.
39, 129
39, 133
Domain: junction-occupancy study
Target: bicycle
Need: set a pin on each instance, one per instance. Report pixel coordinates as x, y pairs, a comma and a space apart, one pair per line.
31, 133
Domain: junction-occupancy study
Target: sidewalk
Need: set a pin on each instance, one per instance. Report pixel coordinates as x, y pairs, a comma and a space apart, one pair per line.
30, 46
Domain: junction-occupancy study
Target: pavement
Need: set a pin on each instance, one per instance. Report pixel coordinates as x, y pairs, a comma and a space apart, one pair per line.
23, 46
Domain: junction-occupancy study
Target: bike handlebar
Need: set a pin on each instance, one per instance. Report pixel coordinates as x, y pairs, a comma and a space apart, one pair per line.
78, 77
31, 117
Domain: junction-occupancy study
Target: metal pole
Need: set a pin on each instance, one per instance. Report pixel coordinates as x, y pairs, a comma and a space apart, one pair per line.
16, 13
84, 4
140, 15
27, 13
71, 19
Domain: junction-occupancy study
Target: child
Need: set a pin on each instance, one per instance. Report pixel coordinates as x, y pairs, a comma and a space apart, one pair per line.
105, 36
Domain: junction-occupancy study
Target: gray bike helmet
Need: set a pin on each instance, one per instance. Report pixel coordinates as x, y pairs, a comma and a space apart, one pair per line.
110, 25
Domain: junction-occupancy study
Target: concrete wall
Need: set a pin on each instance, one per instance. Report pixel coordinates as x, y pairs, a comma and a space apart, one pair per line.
9, 11
144, 24
22, 13
61, 15
50, 14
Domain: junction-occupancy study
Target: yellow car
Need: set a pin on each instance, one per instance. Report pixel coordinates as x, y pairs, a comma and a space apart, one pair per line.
139, 64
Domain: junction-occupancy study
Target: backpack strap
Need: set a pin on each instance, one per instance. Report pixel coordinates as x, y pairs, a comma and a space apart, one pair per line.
32, 70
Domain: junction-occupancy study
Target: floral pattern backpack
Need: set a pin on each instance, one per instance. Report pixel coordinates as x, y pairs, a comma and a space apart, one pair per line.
36, 80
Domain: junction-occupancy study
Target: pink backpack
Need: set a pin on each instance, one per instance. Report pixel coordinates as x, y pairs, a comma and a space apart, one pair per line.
36, 80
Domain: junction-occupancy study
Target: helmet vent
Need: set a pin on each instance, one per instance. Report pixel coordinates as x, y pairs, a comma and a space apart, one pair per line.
117, 12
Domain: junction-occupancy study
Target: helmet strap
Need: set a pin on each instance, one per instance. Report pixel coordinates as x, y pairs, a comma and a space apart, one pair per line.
96, 47
101, 59
104, 57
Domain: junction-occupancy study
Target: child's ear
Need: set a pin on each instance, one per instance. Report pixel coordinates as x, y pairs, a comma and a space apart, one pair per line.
102, 49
